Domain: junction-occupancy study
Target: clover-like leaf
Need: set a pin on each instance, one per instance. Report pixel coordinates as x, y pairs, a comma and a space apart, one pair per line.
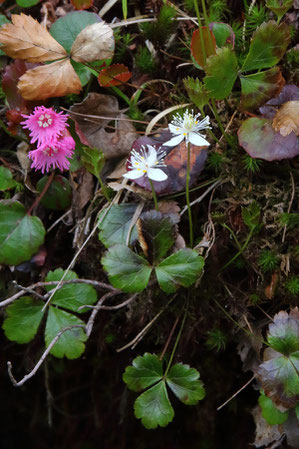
279, 7
16, 227
71, 342
179, 269
279, 372
23, 319
6, 179
153, 407
156, 233
221, 73
259, 139
115, 226
145, 371
71, 296
126, 270
270, 413
196, 91
267, 47
185, 384
59, 193
260, 87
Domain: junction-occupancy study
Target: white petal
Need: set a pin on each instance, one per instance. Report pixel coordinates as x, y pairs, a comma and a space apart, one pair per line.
197, 140
134, 174
156, 174
175, 129
152, 156
174, 141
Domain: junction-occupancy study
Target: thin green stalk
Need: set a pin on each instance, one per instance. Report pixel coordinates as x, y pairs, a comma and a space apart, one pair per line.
197, 12
188, 196
104, 189
204, 10
121, 94
209, 131
177, 339
213, 108
154, 195
240, 251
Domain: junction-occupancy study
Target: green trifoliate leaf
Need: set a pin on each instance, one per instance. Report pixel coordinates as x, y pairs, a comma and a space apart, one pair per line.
270, 413
156, 235
221, 71
267, 47
196, 91
6, 179
20, 234
179, 269
71, 342
59, 194
185, 384
144, 372
93, 160
115, 226
260, 87
23, 319
153, 407
126, 270
71, 296
279, 7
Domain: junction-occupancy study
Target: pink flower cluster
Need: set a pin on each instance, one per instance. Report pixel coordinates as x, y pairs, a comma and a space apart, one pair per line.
54, 142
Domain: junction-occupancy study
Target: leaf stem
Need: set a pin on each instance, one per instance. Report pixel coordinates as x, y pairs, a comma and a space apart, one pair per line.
188, 196
213, 108
104, 188
240, 251
39, 198
177, 339
154, 195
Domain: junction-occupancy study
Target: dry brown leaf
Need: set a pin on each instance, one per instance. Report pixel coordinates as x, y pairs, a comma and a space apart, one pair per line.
53, 80
286, 119
25, 38
114, 135
93, 43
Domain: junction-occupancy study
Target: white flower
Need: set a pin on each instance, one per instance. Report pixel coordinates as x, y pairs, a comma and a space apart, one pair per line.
145, 163
188, 127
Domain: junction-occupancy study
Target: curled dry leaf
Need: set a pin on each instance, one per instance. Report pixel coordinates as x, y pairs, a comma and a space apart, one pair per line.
53, 80
25, 38
286, 119
93, 43
100, 124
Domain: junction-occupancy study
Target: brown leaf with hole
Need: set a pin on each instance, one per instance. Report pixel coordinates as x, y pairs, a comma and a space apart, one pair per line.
53, 80
93, 43
25, 38
286, 119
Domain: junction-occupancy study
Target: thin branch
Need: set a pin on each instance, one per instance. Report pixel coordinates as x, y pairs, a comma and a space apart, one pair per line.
290, 204
41, 360
236, 394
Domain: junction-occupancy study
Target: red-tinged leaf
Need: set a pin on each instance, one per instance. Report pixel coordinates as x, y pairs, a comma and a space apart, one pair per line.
175, 163
114, 75
260, 87
11, 76
201, 49
82, 4
259, 139
14, 118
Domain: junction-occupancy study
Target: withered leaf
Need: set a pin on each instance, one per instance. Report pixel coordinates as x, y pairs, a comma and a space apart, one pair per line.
286, 119
53, 80
25, 38
93, 43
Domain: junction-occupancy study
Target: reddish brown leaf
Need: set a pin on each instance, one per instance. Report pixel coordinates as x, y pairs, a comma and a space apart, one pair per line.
114, 75
202, 49
82, 4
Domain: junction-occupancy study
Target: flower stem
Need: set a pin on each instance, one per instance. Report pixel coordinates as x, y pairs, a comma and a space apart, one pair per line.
213, 108
154, 195
188, 196
41, 195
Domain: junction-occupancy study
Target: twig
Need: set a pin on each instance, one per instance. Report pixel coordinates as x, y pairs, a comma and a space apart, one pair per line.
40, 196
237, 392
290, 204
200, 198
170, 336
29, 290
41, 360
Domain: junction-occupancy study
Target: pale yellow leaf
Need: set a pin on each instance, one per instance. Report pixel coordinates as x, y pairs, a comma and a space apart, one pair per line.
25, 38
93, 43
286, 119
52, 80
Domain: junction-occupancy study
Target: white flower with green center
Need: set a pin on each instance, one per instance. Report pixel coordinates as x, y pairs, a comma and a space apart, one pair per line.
146, 163
187, 127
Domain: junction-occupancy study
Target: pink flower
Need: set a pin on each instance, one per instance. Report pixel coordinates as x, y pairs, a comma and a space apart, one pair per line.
45, 124
53, 153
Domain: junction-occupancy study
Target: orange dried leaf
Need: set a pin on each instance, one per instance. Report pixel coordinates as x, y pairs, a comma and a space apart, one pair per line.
53, 80
114, 75
286, 119
25, 38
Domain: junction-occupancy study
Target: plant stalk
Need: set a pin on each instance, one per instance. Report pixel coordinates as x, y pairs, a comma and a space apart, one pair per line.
188, 196
154, 195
